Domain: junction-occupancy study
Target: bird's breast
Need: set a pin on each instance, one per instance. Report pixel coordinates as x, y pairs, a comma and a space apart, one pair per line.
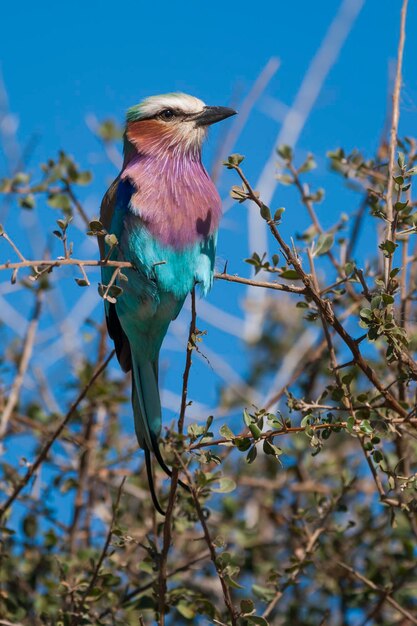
175, 198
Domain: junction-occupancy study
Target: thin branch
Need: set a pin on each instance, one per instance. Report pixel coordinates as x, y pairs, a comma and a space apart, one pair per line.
257, 283
103, 554
162, 578
390, 232
62, 262
200, 513
324, 306
188, 361
44, 452
28, 344
379, 590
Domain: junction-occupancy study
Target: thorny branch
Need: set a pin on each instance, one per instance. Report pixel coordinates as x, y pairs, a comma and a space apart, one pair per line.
324, 306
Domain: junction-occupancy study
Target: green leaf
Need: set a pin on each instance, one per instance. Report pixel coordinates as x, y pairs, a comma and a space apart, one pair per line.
264, 593
324, 244
350, 423
290, 275
251, 456
81, 282
388, 247
185, 610
27, 202
242, 444
308, 165
270, 448
83, 178
225, 485
366, 314
278, 214
59, 201
377, 456
236, 159
265, 212
246, 606
285, 179
401, 160
96, 226
226, 432
365, 427
232, 583
256, 619
400, 206
285, 152
239, 193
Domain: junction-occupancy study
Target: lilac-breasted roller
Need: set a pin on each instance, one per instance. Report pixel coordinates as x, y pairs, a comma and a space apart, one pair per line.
164, 210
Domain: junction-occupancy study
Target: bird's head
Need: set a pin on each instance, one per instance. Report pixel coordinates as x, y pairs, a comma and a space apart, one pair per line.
175, 123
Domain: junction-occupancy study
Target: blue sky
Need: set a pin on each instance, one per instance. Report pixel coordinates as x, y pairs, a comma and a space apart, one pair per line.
62, 62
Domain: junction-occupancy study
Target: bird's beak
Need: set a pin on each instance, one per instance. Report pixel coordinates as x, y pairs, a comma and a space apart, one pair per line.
211, 115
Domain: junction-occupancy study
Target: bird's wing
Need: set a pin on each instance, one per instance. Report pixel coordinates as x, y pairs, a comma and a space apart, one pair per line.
114, 327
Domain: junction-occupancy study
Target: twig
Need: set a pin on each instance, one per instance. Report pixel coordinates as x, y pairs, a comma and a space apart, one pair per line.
390, 232
258, 283
162, 578
44, 452
225, 588
377, 589
28, 344
63, 262
103, 554
188, 360
13, 245
324, 306
77, 204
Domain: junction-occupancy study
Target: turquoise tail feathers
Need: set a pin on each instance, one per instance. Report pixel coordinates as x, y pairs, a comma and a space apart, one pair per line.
147, 413
146, 402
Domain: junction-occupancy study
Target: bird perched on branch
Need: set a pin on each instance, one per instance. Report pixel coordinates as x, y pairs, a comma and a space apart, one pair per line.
162, 214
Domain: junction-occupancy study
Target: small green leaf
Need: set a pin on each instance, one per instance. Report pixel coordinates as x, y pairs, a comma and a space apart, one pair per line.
388, 247
285, 152
278, 214
236, 159
83, 178
290, 275
265, 212
59, 201
256, 619
324, 244
27, 202
185, 610
251, 456
226, 432
308, 165
246, 606
225, 485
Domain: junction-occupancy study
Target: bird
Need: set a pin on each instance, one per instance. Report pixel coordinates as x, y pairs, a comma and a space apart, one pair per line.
163, 210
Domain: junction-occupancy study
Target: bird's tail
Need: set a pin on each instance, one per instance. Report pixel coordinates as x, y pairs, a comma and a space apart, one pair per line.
147, 414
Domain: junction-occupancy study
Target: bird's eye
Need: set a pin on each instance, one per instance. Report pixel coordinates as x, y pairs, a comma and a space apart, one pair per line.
167, 114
